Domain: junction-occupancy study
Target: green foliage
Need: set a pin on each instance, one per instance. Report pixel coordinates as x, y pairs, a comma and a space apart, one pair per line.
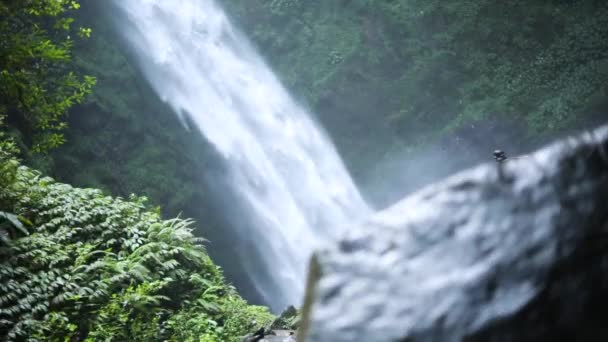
10, 227
37, 86
232, 319
134, 315
123, 139
288, 320
410, 72
78, 265
8, 167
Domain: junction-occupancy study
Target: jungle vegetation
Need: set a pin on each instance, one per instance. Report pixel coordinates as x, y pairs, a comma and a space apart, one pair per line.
78, 265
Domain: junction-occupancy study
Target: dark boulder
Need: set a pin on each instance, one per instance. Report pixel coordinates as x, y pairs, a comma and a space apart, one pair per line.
478, 257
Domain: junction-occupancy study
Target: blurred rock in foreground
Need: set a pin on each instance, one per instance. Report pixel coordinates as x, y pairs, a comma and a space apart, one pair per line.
517, 255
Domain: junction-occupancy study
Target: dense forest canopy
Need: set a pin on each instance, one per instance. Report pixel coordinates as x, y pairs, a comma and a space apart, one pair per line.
401, 86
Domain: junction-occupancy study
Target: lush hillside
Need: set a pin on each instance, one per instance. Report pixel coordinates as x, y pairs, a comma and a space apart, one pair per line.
388, 78
80, 265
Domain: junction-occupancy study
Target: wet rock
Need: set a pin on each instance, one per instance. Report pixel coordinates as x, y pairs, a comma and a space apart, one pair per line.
258, 335
478, 257
282, 336
273, 334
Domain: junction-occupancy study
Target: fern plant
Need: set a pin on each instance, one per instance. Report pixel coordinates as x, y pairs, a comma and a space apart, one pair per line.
78, 265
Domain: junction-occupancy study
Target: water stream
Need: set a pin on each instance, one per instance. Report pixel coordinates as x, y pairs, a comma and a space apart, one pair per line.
295, 189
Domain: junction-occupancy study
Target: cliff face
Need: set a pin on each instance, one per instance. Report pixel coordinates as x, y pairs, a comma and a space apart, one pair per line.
518, 254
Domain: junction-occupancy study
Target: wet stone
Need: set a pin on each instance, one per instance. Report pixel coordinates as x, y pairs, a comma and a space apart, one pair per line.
519, 254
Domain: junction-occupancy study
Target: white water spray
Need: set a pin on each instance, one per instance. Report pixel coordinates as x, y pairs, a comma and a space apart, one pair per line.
282, 166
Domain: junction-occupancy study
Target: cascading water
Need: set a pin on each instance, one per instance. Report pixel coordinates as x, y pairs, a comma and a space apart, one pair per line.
281, 166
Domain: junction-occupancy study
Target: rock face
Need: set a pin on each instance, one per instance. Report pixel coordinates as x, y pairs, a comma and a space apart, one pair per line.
517, 254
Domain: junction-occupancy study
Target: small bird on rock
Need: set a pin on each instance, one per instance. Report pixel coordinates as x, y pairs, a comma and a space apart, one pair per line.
500, 156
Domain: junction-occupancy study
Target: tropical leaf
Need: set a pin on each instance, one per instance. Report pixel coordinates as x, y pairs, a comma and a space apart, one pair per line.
14, 221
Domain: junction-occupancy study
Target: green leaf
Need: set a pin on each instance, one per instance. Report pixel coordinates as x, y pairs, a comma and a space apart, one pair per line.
14, 220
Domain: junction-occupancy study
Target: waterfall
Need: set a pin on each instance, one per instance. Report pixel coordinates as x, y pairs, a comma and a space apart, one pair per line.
293, 188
